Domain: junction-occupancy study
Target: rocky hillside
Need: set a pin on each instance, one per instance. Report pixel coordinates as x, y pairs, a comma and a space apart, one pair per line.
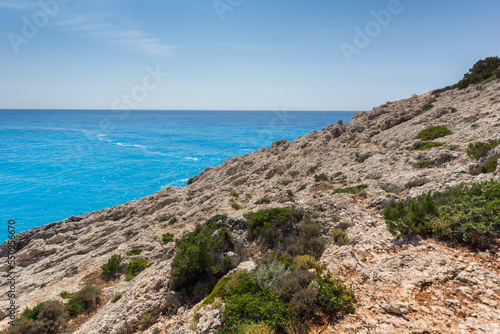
412, 285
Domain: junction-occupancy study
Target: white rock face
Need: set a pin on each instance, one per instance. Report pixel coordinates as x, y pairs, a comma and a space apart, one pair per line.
402, 286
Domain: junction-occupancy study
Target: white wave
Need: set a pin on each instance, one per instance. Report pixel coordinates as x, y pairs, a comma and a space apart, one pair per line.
191, 158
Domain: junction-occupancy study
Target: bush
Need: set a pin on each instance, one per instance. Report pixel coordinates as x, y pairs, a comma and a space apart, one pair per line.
236, 206
277, 217
146, 321
423, 163
110, 267
66, 295
303, 303
85, 299
482, 70
47, 317
293, 282
465, 214
269, 273
425, 145
333, 296
309, 241
116, 297
351, 190
320, 177
490, 166
427, 107
363, 157
167, 237
340, 236
135, 267
234, 194
261, 328
480, 149
199, 262
134, 251
434, 132
263, 200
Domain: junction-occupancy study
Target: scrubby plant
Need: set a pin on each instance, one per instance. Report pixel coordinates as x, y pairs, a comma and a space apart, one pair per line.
199, 264
116, 297
434, 132
236, 206
320, 177
167, 237
490, 166
146, 320
173, 220
32, 313
466, 214
135, 267
351, 190
134, 251
84, 299
270, 272
81, 252
363, 157
48, 317
481, 149
425, 145
415, 183
427, 107
309, 240
261, 328
65, 295
423, 163
286, 182
110, 268
263, 200
340, 236
234, 194
333, 295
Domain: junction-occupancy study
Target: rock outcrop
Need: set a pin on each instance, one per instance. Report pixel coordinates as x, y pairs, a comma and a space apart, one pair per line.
402, 286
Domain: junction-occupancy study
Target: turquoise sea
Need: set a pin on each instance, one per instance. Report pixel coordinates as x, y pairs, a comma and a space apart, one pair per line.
57, 163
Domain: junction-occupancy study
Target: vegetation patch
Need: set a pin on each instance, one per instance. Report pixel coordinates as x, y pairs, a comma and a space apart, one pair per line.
483, 70
423, 163
199, 264
111, 267
434, 132
134, 251
48, 317
135, 267
263, 200
490, 166
425, 145
116, 297
236, 206
340, 236
320, 177
234, 194
465, 214
481, 149
427, 107
280, 297
363, 157
167, 237
351, 190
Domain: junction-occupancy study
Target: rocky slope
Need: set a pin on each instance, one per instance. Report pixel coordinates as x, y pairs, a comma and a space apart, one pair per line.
402, 286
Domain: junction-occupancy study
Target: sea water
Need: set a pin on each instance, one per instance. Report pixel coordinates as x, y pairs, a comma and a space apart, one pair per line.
57, 163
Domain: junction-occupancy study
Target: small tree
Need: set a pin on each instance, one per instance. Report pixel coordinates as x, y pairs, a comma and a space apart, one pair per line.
110, 267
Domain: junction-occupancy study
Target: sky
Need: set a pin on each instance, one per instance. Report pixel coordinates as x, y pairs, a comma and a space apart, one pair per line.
237, 54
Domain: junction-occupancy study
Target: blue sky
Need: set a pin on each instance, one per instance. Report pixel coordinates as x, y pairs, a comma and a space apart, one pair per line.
236, 54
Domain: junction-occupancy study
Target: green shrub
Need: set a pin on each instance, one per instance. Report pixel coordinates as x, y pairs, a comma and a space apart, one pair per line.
351, 190
167, 237
32, 313
309, 241
135, 267
434, 132
199, 264
261, 328
286, 182
415, 183
173, 220
337, 174
482, 70
116, 297
480, 149
333, 296
425, 145
66, 295
293, 282
146, 321
490, 166
320, 177
423, 163
110, 267
263, 200
236, 206
363, 157
269, 273
234, 194
340, 236
134, 251
84, 299
81, 252
427, 107
467, 214
267, 217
